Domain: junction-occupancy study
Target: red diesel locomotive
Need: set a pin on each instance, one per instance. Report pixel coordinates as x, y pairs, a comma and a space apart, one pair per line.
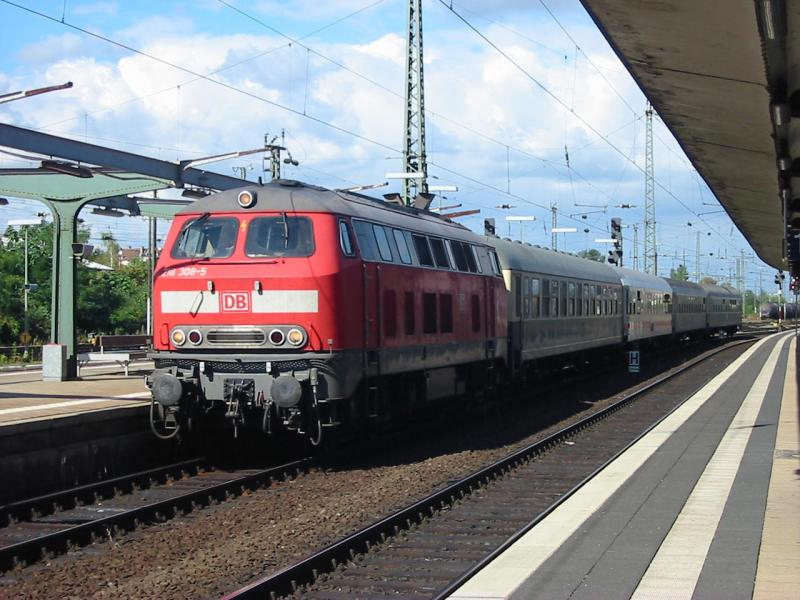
292, 307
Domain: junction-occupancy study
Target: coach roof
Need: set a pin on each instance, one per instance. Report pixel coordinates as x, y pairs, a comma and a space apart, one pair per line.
523, 257
285, 195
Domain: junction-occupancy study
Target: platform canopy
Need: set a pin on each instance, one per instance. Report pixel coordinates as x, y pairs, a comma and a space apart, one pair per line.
71, 174
724, 76
40, 183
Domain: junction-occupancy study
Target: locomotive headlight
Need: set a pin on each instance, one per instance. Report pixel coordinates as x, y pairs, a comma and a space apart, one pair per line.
178, 337
276, 337
246, 199
295, 337
195, 337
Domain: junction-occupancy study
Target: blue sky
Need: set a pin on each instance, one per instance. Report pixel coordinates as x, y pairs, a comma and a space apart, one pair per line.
491, 130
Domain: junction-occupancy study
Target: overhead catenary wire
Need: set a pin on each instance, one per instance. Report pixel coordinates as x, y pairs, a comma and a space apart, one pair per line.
258, 97
580, 118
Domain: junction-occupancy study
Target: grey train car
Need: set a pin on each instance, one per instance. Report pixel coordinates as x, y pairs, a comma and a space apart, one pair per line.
723, 308
647, 305
688, 308
558, 303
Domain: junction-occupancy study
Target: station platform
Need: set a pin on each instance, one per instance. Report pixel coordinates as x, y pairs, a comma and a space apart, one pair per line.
25, 397
57, 435
706, 505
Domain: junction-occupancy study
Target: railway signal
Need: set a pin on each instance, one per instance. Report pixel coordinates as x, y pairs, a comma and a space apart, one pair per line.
615, 255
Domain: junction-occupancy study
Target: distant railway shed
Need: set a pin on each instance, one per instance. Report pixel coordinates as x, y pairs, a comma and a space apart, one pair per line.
73, 174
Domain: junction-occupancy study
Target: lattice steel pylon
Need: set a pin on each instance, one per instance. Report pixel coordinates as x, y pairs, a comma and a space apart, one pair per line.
650, 251
414, 160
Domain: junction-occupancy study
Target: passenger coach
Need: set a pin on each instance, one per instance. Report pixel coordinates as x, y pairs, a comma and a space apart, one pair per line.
558, 303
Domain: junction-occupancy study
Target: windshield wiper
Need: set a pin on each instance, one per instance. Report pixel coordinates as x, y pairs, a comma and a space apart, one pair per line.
285, 230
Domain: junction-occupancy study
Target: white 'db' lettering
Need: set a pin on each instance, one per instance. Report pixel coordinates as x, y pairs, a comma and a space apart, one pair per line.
235, 301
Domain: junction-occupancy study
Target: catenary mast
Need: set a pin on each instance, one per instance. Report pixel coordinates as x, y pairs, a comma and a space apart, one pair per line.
414, 160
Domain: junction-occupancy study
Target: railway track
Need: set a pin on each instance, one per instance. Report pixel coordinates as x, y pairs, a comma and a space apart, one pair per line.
54, 523
428, 548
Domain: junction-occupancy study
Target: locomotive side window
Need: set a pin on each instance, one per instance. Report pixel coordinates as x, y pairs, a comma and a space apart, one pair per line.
345, 241
471, 254
439, 253
206, 237
495, 263
280, 236
423, 250
366, 240
384, 248
459, 255
402, 246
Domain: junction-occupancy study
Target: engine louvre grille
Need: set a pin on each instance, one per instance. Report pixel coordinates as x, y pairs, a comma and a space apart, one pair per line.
236, 337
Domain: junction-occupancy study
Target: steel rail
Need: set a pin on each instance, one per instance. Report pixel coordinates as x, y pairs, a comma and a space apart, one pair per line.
59, 541
31, 508
289, 579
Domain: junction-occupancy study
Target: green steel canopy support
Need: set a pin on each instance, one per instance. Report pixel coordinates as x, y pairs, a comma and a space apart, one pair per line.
104, 177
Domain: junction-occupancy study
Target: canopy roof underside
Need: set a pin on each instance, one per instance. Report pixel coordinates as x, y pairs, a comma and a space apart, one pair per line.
702, 65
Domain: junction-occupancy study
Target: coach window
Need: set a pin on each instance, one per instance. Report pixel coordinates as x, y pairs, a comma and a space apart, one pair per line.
586, 301
366, 240
402, 246
545, 297
534, 298
526, 297
409, 313
571, 300
439, 253
517, 296
207, 237
554, 285
423, 250
384, 249
459, 255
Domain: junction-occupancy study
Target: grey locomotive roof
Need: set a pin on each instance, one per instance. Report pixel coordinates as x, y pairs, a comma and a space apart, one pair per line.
725, 291
522, 257
639, 279
687, 288
286, 195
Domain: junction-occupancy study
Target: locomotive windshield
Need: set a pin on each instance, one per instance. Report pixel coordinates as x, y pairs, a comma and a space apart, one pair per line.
280, 236
206, 237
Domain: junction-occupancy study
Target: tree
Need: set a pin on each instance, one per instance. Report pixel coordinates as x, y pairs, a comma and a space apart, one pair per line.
592, 254
679, 274
708, 281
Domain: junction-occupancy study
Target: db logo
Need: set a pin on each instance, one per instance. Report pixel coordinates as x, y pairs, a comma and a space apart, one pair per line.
235, 301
